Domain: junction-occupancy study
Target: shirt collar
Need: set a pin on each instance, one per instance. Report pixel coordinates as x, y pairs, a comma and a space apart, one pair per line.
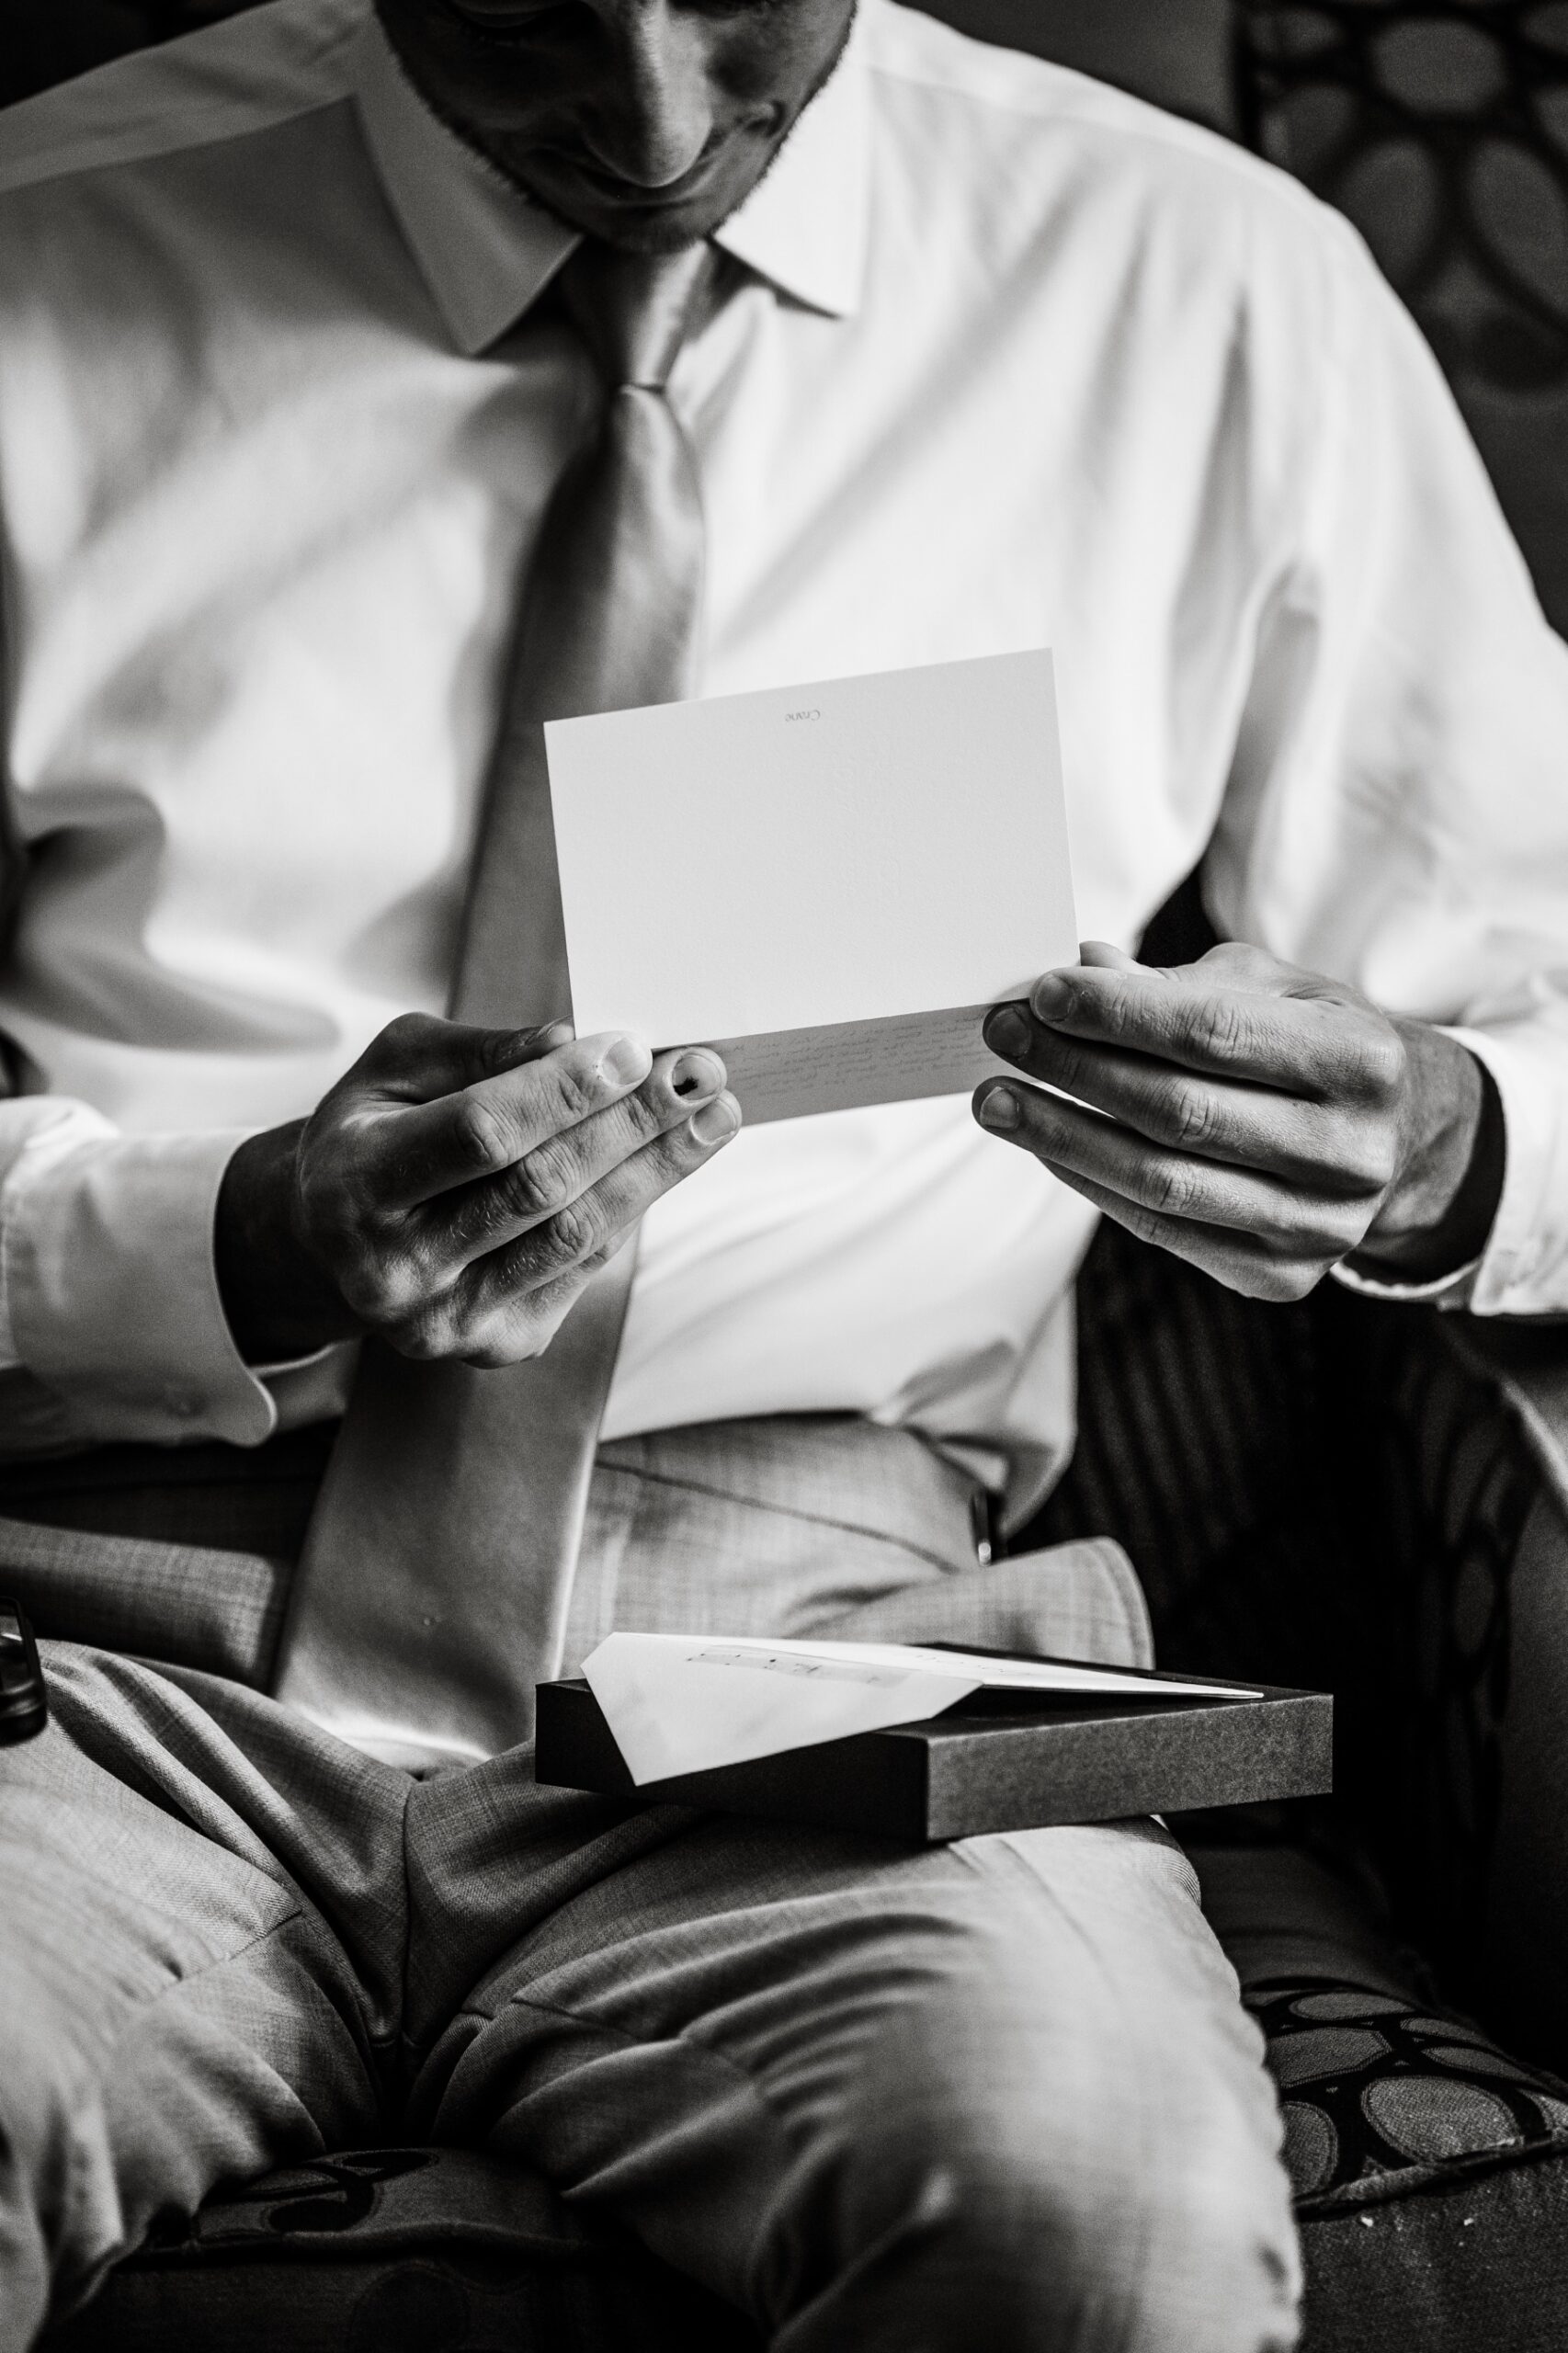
805, 225
487, 253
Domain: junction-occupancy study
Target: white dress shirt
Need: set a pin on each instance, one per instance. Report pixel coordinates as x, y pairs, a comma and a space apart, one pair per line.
1018, 361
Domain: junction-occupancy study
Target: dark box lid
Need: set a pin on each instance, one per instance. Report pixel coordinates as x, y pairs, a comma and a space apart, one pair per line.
997, 1762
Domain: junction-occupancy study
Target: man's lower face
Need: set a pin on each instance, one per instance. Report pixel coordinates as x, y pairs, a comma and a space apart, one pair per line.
643, 122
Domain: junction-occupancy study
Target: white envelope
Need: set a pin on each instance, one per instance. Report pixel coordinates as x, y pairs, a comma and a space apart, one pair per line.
830, 882
685, 1703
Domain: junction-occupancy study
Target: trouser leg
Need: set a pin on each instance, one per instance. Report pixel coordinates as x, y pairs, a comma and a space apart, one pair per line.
201, 1950
886, 2102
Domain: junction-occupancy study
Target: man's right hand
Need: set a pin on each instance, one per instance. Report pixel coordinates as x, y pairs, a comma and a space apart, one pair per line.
455, 1189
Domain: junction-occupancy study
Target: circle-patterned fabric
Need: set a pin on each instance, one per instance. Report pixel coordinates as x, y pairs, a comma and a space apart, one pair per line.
1381, 2097
1442, 129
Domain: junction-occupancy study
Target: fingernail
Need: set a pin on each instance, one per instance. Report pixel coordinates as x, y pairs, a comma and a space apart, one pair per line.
1051, 997
717, 1121
627, 1060
695, 1074
999, 1109
1006, 1032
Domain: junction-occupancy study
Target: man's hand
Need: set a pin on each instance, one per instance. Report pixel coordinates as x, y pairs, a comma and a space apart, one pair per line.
1263, 1122
454, 1192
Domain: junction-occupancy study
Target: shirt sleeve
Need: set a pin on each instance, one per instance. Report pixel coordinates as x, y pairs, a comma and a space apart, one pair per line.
111, 1327
1397, 814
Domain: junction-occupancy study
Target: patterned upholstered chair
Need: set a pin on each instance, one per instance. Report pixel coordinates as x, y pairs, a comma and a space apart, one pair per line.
1333, 1493
1442, 130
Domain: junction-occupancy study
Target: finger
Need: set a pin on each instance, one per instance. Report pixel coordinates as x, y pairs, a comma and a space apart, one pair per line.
505, 1328
1320, 1047
1237, 1260
1337, 1148
419, 1057
467, 1224
1076, 1142
414, 1154
522, 1276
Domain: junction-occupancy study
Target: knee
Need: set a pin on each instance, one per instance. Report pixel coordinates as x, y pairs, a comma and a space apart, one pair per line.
1030, 2196
1198, 2247
1147, 2256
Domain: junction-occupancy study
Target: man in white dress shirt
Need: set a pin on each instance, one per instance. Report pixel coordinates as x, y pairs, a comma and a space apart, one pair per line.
1005, 359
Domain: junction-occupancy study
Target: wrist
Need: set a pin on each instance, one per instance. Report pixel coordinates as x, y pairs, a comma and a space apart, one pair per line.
279, 1302
1439, 1213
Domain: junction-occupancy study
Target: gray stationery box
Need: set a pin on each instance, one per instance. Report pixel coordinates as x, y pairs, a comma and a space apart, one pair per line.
1002, 1760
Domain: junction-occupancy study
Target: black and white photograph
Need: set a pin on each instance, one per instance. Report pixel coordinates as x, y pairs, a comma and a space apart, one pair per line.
783, 1176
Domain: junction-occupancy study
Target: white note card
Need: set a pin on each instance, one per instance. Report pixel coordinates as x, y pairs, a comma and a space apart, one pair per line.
828, 882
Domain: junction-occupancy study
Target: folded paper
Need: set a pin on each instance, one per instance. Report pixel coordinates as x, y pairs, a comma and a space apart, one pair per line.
685, 1703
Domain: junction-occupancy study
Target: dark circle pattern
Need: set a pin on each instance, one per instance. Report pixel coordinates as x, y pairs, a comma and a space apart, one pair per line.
1379, 2097
1442, 130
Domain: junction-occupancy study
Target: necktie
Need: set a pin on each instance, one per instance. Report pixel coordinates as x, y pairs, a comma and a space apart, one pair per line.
432, 1591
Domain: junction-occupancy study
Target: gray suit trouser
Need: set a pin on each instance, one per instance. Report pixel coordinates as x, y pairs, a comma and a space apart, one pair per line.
1001, 2091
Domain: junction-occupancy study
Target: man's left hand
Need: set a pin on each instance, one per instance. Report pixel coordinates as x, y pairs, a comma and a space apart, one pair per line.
1251, 1116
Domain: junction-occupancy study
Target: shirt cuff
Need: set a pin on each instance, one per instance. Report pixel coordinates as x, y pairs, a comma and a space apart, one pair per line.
1524, 1269
1443, 1290
108, 1293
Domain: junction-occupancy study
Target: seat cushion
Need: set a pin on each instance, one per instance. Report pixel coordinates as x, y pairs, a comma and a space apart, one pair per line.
1430, 2172
1459, 2267
1383, 2096
413, 2250
1430, 2166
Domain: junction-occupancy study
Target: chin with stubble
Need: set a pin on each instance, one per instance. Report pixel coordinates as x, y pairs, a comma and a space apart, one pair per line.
644, 124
